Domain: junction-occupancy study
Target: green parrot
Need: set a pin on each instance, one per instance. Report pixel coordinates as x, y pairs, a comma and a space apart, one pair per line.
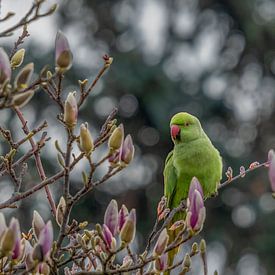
193, 156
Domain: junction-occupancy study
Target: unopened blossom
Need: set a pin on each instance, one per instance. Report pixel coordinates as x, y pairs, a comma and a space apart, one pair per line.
70, 110
17, 247
122, 216
195, 211
161, 262
5, 67
63, 54
37, 224
107, 235
17, 58
195, 184
116, 138
127, 150
86, 140
161, 242
46, 239
60, 210
111, 217
128, 231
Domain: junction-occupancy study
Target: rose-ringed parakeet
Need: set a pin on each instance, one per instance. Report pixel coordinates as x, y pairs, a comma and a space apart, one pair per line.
193, 156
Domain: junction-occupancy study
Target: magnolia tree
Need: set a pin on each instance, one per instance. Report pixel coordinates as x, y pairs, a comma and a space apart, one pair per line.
76, 249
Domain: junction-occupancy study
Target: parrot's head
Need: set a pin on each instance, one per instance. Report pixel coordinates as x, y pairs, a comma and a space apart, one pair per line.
184, 128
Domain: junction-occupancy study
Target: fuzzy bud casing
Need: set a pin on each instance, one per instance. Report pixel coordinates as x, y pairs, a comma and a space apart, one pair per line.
128, 231
18, 58
63, 54
116, 138
86, 140
70, 110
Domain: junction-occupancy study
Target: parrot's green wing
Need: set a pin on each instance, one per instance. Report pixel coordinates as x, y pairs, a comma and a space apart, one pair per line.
170, 179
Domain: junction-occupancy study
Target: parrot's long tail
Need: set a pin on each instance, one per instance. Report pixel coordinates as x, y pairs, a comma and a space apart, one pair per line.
172, 253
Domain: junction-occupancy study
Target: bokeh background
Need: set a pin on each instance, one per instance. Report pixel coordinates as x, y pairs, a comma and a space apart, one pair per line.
212, 58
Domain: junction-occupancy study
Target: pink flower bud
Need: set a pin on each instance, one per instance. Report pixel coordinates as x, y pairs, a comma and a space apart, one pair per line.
5, 67
111, 217
46, 239
70, 110
63, 54
161, 262
122, 216
127, 150
17, 249
161, 242
128, 231
107, 235
28, 250
194, 185
195, 212
114, 159
37, 224
271, 170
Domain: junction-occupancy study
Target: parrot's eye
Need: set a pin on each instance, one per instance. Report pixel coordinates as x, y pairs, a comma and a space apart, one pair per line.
187, 124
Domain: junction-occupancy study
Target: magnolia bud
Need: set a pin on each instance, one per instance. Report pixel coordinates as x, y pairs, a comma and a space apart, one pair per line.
161, 262
111, 217
107, 235
37, 224
161, 243
187, 260
24, 76
60, 210
127, 150
46, 239
128, 231
70, 110
122, 216
17, 248
195, 248
17, 58
63, 54
28, 250
21, 100
5, 68
116, 138
86, 141
7, 242
202, 246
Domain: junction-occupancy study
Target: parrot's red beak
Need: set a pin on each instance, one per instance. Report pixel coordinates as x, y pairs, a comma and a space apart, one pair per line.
174, 130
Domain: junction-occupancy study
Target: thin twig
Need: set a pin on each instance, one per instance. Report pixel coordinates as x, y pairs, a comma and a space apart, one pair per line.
38, 161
